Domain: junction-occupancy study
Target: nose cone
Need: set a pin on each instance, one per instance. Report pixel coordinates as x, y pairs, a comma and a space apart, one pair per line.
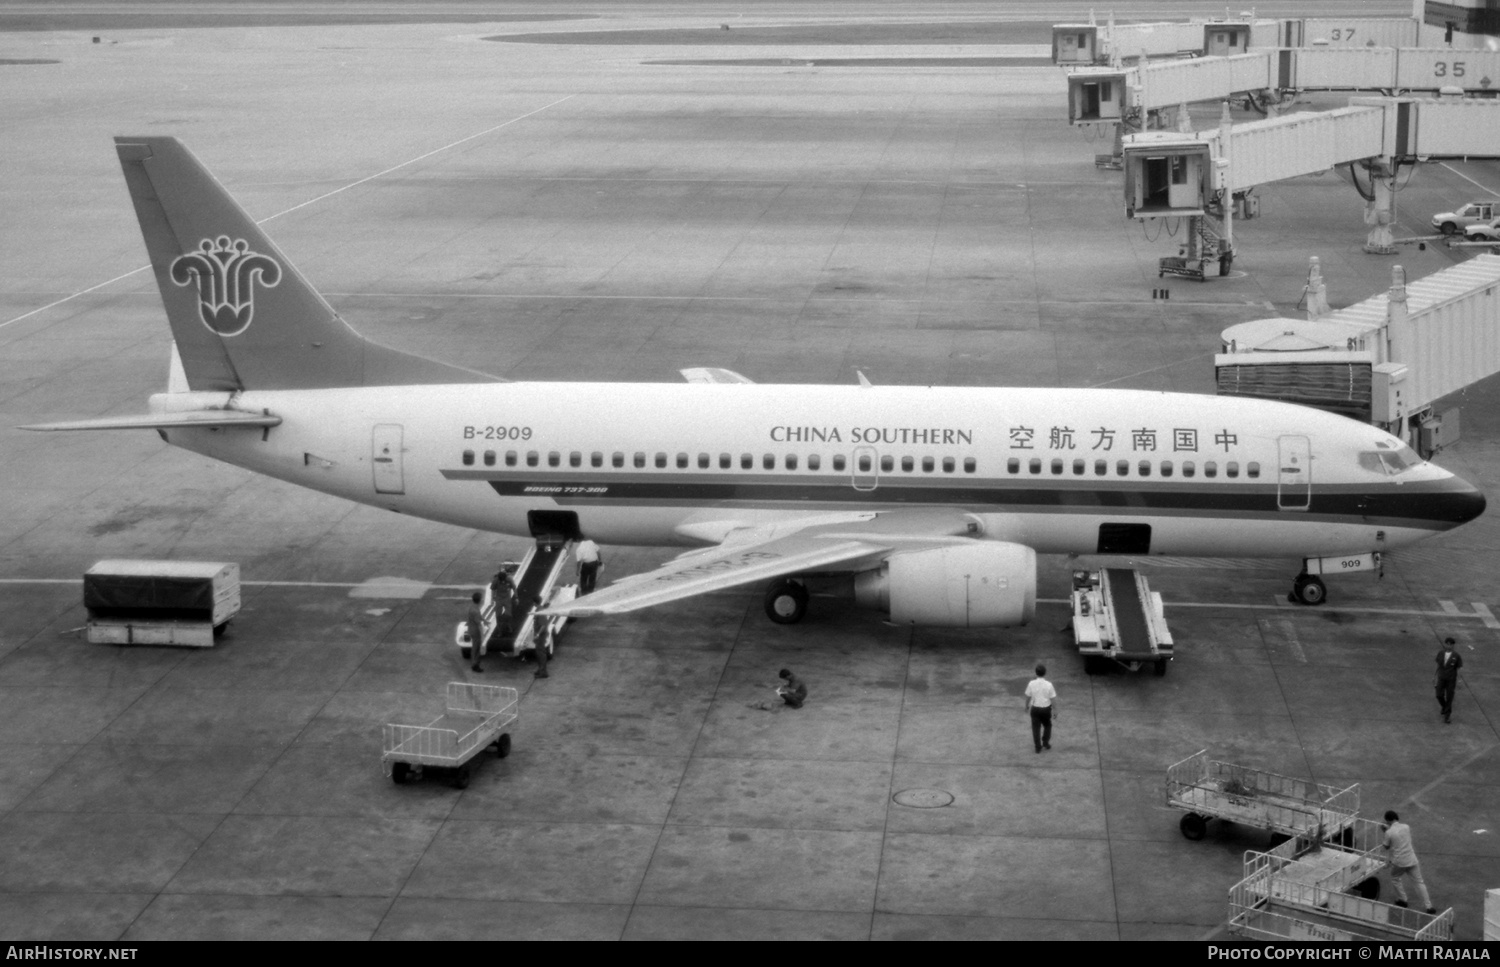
1468, 502
1456, 502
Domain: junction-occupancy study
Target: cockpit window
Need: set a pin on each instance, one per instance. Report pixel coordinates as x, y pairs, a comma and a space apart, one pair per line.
1389, 460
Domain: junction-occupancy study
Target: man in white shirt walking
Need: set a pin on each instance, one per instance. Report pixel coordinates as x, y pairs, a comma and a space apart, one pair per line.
1041, 702
589, 562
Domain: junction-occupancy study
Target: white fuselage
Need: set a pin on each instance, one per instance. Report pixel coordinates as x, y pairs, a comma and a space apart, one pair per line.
1060, 470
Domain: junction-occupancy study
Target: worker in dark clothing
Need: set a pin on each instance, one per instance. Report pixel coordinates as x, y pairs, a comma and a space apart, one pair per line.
792, 691
476, 632
1445, 680
541, 638
503, 592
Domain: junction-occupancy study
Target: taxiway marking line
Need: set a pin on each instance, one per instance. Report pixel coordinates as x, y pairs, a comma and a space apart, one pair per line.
1482, 612
310, 201
1487, 190
1412, 799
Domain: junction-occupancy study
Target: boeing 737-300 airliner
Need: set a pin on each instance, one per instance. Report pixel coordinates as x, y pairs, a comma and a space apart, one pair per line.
928, 503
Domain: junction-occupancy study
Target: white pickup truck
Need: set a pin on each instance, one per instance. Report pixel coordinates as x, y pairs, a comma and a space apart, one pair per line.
1454, 223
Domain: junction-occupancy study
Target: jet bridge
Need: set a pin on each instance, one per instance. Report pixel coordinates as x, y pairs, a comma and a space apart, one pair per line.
1079, 44
1385, 360
1268, 76
1208, 176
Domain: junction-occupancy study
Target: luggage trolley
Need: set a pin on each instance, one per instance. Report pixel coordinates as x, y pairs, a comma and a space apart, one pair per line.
1284, 806
474, 718
1326, 890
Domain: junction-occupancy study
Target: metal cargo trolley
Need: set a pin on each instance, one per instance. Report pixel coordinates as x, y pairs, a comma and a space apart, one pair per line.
1284, 806
474, 720
1312, 890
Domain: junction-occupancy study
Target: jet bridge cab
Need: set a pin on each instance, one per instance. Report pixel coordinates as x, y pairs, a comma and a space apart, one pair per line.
1168, 178
1095, 95
1074, 44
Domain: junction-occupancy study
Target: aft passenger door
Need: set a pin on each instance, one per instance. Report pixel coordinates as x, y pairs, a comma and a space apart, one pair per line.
385, 457
1294, 473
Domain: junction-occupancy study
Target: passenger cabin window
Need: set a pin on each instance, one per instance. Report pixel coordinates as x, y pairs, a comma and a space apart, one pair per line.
949, 465
1210, 469
703, 461
814, 461
1057, 466
1122, 468
489, 458
768, 461
725, 461
887, 463
1034, 465
510, 458
970, 464
1013, 465
533, 458
596, 459
468, 458
1187, 468
1166, 468
1079, 466
864, 463
908, 464
661, 461
1232, 469
1101, 468
1145, 467
1252, 469
927, 465
640, 459
747, 461
554, 458
838, 462
682, 461
791, 461
617, 459
575, 459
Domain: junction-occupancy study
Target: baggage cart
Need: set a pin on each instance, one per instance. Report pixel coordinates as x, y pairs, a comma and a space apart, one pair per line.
475, 718
160, 602
1283, 806
1309, 889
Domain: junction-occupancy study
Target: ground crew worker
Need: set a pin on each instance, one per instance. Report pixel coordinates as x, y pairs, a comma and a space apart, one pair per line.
503, 592
793, 691
1445, 681
589, 563
476, 632
1041, 699
1404, 861
541, 638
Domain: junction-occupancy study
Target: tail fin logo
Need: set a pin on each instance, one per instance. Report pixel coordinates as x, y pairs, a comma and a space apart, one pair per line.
226, 272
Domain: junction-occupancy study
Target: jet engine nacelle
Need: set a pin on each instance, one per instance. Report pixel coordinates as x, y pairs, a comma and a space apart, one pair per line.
985, 584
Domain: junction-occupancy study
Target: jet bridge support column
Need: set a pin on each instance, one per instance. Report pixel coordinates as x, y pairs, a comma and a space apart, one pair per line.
1380, 208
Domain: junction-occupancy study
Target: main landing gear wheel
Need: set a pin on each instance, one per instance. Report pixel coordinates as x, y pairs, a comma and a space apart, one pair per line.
786, 602
1308, 589
1161, 667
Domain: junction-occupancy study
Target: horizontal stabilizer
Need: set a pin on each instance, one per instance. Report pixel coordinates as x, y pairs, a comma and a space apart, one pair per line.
165, 421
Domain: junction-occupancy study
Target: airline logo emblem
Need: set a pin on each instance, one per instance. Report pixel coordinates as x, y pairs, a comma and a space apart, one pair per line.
226, 272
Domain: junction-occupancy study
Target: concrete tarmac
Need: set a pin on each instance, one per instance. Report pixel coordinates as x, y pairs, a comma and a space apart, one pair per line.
584, 211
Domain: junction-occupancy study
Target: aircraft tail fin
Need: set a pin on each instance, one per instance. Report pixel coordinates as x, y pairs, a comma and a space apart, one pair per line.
242, 316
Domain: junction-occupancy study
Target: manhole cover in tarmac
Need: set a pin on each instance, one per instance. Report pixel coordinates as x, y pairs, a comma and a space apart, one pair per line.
924, 798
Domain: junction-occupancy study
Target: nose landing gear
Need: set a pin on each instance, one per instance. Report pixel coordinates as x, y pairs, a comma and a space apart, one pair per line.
1308, 589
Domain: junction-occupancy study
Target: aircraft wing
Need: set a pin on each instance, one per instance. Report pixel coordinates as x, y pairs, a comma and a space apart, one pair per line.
712, 374
837, 543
